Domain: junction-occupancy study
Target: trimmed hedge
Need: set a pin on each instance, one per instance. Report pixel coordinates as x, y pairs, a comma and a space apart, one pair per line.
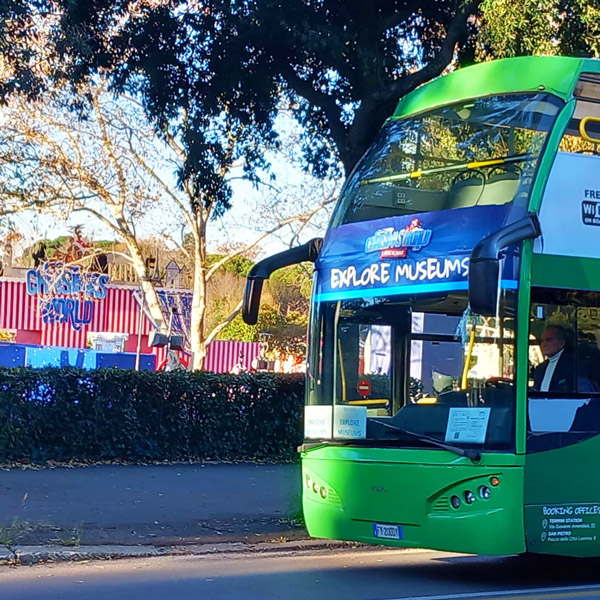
113, 414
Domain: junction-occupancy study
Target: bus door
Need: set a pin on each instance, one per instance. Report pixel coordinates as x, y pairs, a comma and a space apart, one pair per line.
371, 357
562, 481
388, 357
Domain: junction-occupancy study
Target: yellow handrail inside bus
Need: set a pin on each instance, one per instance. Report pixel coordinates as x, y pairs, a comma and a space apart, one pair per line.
427, 400
584, 134
463, 380
369, 402
342, 372
476, 164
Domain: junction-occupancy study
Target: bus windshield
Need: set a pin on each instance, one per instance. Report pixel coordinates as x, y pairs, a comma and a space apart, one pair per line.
396, 372
476, 152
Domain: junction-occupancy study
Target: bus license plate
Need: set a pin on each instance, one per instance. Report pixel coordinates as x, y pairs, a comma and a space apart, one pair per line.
390, 532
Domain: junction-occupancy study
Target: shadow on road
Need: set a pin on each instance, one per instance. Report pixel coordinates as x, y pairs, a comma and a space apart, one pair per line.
519, 571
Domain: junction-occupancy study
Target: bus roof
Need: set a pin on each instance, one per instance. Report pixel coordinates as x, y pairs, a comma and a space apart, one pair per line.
554, 74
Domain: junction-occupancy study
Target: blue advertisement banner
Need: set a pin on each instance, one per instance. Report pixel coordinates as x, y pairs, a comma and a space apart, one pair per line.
421, 253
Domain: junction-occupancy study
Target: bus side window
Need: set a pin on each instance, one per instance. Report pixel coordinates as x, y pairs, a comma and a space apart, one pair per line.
564, 415
572, 142
587, 417
588, 349
553, 327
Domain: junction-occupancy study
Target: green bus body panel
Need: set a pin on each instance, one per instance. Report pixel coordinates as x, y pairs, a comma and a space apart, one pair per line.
554, 74
412, 488
565, 272
562, 500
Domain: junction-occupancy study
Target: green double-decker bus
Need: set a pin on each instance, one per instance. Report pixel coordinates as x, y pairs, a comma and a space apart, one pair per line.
453, 370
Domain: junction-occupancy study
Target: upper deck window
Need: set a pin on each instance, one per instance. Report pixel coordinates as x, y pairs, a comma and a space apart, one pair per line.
477, 152
587, 109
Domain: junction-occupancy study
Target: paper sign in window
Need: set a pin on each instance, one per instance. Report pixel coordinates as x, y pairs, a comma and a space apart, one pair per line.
350, 422
318, 421
467, 425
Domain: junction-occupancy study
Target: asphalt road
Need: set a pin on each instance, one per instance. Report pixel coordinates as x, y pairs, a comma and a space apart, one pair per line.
349, 575
156, 504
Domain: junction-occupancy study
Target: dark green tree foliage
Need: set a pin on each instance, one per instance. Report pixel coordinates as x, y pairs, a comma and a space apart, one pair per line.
221, 68
522, 27
238, 265
16, 25
116, 414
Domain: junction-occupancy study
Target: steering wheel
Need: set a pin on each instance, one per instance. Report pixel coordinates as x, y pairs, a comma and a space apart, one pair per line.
498, 382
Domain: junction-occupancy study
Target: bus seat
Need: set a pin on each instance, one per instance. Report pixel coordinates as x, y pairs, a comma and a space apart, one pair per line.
465, 192
500, 189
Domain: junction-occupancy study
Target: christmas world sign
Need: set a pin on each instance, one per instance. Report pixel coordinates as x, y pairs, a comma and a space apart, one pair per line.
66, 294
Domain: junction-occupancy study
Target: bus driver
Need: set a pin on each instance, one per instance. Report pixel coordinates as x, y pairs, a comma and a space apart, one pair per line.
556, 373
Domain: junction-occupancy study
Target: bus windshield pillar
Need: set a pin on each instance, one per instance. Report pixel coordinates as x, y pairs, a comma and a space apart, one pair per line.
401, 357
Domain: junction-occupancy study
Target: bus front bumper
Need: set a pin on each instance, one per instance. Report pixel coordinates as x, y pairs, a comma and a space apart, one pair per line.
414, 498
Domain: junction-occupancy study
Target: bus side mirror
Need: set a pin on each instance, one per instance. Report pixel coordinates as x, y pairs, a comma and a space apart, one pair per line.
484, 266
483, 286
251, 303
263, 269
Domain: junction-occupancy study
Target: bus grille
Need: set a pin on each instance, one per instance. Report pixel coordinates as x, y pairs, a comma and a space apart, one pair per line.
442, 504
333, 497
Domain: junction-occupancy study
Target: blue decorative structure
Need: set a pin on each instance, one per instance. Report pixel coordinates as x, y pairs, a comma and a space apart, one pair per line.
21, 355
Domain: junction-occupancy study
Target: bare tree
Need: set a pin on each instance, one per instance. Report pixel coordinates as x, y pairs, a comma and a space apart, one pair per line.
198, 215
69, 164
109, 162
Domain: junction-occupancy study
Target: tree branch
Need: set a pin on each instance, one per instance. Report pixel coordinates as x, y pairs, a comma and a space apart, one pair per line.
456, 30
322, 100
216, 330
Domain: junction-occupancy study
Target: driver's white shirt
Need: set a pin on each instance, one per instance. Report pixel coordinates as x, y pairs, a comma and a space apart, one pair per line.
552, 362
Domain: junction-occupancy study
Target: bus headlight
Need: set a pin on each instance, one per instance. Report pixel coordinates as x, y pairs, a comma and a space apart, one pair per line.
484, 492
455, 501
469, 497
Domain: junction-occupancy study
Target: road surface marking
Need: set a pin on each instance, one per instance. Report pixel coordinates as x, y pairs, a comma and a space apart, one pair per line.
556, 593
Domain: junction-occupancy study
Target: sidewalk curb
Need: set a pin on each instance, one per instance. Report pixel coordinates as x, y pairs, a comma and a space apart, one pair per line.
264, 547
30, 555
6, 555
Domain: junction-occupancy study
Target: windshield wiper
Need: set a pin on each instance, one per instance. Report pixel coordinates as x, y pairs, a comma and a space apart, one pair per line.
476, 164
471, 453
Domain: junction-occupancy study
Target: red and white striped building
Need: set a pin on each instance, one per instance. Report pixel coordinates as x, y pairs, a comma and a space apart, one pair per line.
118, 312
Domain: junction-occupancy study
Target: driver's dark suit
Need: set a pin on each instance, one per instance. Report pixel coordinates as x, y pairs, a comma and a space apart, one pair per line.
563, 378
